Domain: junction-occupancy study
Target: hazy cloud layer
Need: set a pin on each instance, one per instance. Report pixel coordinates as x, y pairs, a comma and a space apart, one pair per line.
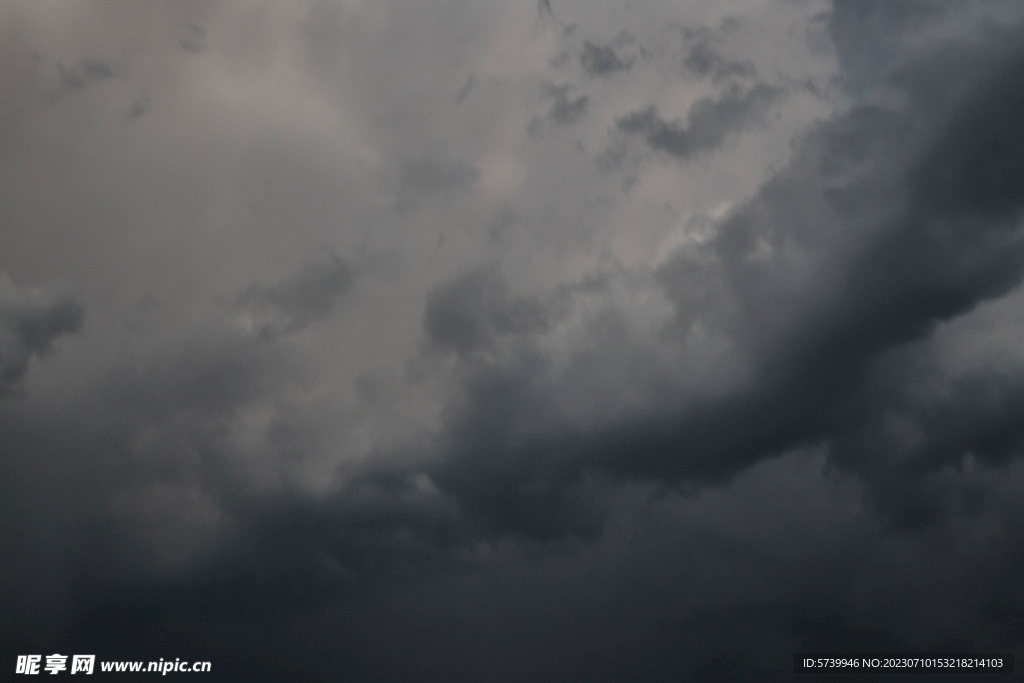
423, 341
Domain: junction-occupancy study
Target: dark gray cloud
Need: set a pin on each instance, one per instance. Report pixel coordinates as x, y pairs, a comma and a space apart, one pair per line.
196, 40
464, 91
138, 109
31, 319
473, 310
602, 60
709, 122
704, 60
295, 303
544, 10
427, 176
566, 109
78, 76
710, 51
86, 72
866, 33
97, 70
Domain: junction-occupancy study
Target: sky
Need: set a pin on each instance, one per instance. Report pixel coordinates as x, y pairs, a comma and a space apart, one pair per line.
479, 340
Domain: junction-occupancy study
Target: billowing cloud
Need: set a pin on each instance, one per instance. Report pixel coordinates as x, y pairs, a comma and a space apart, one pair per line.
414, 351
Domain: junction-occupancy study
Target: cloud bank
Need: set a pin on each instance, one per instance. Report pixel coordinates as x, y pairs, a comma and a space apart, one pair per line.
411, 341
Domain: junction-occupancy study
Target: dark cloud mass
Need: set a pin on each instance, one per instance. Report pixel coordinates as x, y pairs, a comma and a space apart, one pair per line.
376, 385
709, 122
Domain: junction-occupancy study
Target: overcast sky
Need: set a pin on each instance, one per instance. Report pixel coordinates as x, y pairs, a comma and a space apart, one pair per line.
504, 340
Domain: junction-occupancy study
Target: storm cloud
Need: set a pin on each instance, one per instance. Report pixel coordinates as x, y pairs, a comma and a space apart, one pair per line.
661, 358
